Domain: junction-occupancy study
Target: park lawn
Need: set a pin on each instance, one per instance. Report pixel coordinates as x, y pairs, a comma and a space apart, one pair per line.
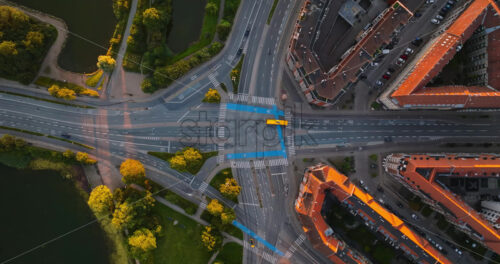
181, 242
189, 207
231, 253
230, 229
207, 34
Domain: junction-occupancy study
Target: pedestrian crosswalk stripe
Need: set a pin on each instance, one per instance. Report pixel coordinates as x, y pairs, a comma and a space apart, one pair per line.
212, 79
203, 187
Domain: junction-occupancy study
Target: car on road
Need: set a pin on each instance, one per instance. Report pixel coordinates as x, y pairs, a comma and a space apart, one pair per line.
441, 13
247, 32
417, 41
399, 204
414, 216
379, 83
361, 182
390, 69
408, 51
404, 57
435, 21
385, 76
400, 62
240, 50
451, 2
438, 17
417, 14
429, 2
66, 135
252, 242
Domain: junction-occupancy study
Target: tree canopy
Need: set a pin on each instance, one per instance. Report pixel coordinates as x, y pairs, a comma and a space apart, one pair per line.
142, 239
211, 238
63, 93
24, 43
152, 19
123, 215
132, 171
215, 207
212, 96
230, 188
106, 63
101, 200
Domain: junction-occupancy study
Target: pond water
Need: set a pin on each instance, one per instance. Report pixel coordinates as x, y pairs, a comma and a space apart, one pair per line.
38, 206
92, 20
187, 19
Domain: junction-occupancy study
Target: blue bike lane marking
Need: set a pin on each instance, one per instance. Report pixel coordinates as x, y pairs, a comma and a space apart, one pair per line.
258, 238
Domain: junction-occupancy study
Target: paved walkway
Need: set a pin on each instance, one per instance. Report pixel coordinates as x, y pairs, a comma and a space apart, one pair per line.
123, 84
49, 66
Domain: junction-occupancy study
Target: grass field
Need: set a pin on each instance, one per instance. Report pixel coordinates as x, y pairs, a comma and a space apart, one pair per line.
181, 242
189, 207
231, 253
230, 229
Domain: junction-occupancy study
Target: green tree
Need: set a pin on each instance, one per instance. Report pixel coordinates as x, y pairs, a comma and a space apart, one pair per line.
68, 154
227, 216
8, 142
211, 8
223, 29
133, 172
148, 85
101, 200
192, 156
120, 7
12, 18
34, 40
106, 63
152, 19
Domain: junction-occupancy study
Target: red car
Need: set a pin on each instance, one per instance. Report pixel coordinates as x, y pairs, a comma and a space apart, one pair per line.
385, 76
404, 57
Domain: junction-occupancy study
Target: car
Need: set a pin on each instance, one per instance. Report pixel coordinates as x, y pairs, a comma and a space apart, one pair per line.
414, 216
417, 42
429, 2
417, 15
400, 62
435, 21
448, 6
65, 135
404, 57
441, 13
247, 32
366, 189
239, 52
252, 242
444, 9
388, 73
390, 69
451, 2
399, 204
379, 83
438, 17
408, 51
385, 76
380, 189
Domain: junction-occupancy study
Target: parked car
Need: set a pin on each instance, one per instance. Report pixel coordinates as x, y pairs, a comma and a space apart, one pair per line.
404, 57
441, 13
379, 83
417, 15
429, 1
385, 76
417, 41
438, 17
388, 73
390, 69
400, 62
451, 2
399, 204
435, 21
408, 51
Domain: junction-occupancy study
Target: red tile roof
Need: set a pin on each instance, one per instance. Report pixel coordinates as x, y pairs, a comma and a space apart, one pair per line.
440, 53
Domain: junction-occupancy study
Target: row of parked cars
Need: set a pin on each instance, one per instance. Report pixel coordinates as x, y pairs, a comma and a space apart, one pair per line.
400, 61
443, 12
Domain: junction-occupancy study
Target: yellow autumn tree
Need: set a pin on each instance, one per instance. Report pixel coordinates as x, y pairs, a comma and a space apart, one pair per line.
215, 207
142, 239
84, 158
210, 238
53, 89
132, 171
178, 162
230, 188
68, 154
66, 94
101, 200
106, 63
212, 96
123, 215
192, 156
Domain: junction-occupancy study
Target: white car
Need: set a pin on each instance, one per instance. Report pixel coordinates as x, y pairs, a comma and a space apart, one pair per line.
408, 51
435, 21
438, 17
379, 83
400, 62
430, 1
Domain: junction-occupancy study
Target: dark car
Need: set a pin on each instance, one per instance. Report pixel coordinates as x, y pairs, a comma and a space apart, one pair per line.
239, 52
247, 32
66, 135
444, 9
404, 57
400, 205
417, 41
418, 15
441, 13
390, 69
385, 76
